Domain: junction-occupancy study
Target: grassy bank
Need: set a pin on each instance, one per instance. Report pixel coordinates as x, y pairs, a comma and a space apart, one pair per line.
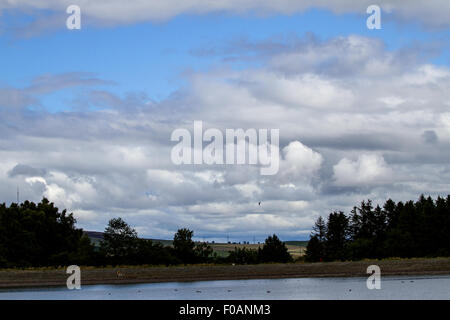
13, 278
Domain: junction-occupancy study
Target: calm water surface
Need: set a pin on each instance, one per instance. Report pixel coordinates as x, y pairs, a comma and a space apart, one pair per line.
400, 287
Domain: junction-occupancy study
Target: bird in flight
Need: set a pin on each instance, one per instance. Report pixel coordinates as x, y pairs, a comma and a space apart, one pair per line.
259, 203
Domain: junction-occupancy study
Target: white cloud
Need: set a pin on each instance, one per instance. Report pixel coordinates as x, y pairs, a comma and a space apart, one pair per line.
426, 75
432, 13
299, 162
392, 101
65, 191
249, 190
357, 127
367, 170
306, 90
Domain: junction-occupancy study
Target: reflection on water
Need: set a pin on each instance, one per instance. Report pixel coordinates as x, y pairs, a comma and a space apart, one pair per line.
400, 287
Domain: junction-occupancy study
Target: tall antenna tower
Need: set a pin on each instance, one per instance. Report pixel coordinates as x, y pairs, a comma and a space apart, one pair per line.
17, 195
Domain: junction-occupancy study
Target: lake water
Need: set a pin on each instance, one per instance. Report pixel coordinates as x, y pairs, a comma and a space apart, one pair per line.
395, 287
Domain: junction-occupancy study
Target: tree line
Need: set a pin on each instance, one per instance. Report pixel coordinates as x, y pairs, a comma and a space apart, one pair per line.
33, 235
37, 235
410, 229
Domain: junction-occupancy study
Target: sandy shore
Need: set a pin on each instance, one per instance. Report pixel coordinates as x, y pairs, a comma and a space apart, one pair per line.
13, 278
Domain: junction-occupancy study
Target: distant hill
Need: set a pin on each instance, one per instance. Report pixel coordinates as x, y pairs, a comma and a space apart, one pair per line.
97, 236
296, 248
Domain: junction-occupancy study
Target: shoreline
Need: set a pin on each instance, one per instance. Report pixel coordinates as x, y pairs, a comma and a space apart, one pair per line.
32, 278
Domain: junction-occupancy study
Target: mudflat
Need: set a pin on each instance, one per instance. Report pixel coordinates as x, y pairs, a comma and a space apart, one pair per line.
15, 278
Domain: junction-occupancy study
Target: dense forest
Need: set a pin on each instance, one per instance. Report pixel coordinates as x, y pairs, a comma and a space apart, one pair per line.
410, 229
36, 235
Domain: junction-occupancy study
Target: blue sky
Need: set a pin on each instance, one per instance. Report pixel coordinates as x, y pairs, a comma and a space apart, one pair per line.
151, 57
87, 115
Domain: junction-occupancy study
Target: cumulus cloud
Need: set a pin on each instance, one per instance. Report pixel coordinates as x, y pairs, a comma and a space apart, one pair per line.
345, 134
299, 162
69, 192
367, 170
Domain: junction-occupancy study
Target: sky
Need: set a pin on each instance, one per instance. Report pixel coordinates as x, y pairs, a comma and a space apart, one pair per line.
87, 115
